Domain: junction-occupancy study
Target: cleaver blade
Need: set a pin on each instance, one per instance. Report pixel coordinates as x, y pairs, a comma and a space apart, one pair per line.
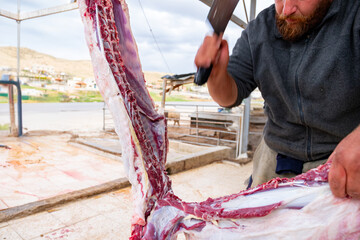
219, 16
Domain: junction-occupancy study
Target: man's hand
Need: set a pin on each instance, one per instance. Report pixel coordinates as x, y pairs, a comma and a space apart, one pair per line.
208, 51
344, 175
215, 51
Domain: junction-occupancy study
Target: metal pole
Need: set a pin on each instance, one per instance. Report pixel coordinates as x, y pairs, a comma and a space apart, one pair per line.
238, 136
18, 72
197, 121
245, 135
247, 101
104, 117
252, 9
20, 126
13, 130
17, 84
18, 51
18, 41
241, 130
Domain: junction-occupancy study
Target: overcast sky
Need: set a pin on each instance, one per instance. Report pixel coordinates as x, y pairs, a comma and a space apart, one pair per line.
179, 27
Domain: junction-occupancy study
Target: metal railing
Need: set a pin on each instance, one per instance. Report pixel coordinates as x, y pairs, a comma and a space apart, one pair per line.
204, 124
108, 122
199, 123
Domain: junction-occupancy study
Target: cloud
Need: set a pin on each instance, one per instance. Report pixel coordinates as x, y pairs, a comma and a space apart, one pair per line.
178, 26
176, 8
59, 35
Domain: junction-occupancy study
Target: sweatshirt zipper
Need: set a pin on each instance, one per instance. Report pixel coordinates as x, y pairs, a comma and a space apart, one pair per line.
300, 106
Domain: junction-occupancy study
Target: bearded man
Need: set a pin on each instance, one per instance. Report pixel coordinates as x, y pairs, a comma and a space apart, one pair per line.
304, 56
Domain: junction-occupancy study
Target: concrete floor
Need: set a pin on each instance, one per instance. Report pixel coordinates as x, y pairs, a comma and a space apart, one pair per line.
40, 167
37, 167
107, 216
45, 165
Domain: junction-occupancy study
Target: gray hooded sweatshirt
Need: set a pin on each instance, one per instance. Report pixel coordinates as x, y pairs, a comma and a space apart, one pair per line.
311, 87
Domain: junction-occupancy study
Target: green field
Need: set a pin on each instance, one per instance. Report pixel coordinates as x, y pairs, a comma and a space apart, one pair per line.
56, 96
5, 126
51, 96
3, 99
157, 98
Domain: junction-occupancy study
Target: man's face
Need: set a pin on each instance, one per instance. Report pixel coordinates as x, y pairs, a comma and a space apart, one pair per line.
294, 18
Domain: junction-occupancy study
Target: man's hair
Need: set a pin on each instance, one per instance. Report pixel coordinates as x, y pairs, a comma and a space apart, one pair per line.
303, 24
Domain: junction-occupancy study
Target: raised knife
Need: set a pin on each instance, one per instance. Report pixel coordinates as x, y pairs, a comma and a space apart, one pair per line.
219, 17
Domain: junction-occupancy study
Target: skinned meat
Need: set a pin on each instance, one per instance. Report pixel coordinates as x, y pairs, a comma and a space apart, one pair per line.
298, 208
141, 129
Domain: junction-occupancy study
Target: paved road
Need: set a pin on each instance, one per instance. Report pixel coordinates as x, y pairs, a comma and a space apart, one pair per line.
58, 116
73, 116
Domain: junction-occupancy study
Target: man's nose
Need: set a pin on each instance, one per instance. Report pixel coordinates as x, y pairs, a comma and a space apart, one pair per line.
289, 7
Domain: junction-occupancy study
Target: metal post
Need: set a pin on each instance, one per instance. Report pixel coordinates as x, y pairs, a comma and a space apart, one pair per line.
197, 121
245, 135
247, 101
17, 84
252, 9
13, 130
18, 50
219, 136
104, 116
238, 136
18, 41
19, 100
20, 126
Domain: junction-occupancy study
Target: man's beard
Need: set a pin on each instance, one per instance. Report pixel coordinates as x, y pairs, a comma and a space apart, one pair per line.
303, 24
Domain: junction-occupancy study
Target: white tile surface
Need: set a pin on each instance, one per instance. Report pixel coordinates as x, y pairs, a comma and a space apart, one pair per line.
66, 233
97, 228
36, 225
7, 233
73, 213
2, 205
4, 224
121, 219
103, 203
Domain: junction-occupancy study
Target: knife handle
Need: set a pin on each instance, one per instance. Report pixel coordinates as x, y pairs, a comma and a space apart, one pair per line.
202, 75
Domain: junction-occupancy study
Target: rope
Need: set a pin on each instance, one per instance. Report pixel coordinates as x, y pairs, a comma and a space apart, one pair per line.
152, 33
247, 19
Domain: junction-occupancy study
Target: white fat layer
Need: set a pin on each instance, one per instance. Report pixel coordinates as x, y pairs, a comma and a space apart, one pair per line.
295, 197
99, 39
123, 127
162, 218
325, 217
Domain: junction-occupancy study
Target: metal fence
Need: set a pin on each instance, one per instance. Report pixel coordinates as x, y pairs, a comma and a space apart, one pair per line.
108, 122
199, 123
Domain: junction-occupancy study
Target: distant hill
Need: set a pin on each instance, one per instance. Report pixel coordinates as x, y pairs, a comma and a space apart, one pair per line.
79, 68
76, 68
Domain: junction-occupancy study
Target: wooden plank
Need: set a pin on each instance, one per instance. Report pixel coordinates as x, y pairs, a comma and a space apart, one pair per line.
48, 11
46, 204
8, 14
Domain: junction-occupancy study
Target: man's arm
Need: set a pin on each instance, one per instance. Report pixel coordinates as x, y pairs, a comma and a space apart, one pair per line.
344, 175
221, 85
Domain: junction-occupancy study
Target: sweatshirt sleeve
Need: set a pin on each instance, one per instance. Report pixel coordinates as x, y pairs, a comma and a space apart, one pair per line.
240, 67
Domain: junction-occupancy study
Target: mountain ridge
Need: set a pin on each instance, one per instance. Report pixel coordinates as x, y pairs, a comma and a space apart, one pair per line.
75, 68
29, 57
